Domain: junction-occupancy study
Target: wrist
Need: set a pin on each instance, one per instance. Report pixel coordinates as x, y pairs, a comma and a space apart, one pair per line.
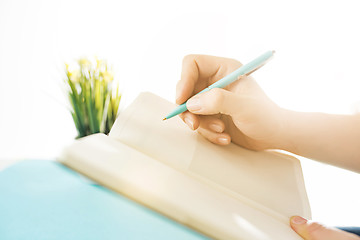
285, 139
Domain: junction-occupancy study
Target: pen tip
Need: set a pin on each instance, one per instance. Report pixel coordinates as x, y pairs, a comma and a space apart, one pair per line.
164, 119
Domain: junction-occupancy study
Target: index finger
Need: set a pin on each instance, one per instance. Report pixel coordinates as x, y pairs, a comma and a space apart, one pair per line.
195, 74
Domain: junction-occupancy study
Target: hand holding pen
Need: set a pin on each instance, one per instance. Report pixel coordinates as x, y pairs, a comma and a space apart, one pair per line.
239, 112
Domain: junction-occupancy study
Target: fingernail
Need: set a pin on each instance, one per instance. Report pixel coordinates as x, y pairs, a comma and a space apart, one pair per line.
190, 123
223, 140
216, 127
298, 220
193, 104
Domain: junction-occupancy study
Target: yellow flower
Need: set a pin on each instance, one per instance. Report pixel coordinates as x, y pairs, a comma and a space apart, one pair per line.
108, 77
74, 76
83, 62
99, 63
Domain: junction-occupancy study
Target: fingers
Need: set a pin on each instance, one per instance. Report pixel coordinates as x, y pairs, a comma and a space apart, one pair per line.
213, 128
315, 231
212, 123
196, 71
184, 90
217, 138
191, 120
215, 101
210, 127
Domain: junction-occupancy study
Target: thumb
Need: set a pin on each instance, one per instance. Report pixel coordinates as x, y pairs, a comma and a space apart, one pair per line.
309, 230
215, 101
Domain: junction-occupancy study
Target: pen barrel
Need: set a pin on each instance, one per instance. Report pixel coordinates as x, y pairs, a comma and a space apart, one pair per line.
249, 67
179, 109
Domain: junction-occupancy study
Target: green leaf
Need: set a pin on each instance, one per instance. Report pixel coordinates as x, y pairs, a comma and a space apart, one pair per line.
105, 113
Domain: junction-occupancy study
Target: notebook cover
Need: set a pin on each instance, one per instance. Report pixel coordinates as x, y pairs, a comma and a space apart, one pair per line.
45, 200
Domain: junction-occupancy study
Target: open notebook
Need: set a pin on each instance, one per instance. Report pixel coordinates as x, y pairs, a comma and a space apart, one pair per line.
224, 192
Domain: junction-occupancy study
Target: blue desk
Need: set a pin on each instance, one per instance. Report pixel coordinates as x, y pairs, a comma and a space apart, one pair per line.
46, 200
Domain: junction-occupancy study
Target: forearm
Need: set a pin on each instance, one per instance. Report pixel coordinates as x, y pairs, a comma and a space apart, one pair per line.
334, 139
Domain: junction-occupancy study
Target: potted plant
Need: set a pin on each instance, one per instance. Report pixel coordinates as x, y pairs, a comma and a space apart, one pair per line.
93, 96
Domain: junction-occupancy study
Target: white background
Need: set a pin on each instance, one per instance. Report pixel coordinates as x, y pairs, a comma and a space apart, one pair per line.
316, 67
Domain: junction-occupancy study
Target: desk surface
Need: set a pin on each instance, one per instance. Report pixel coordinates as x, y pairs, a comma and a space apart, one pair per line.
46, 200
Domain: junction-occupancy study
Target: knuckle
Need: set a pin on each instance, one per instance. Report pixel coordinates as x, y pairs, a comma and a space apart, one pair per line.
189, 57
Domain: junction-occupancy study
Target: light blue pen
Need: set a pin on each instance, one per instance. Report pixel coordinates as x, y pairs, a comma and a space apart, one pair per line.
246, 69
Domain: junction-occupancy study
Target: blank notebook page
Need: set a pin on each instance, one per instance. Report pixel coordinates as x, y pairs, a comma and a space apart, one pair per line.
266, 179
